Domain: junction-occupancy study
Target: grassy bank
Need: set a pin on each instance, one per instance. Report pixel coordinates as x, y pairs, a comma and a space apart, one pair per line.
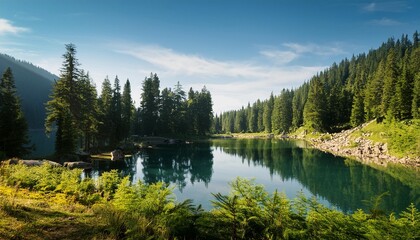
55, 203
398, 140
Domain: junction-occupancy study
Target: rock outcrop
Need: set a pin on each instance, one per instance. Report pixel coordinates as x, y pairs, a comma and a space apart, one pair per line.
361, 148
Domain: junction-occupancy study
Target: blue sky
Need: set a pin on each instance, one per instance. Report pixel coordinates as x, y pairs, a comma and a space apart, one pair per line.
240, 50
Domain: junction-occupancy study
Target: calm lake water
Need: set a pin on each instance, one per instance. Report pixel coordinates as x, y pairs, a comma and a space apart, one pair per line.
199, 169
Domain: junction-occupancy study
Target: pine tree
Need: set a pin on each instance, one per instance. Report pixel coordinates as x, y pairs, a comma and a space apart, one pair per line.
276, 115
13, 126
286, 112
357, 116
298, 104
240, 121
315, 107
390, 77
357, 113
180, 122
260, 122
205, 113
117, 124
415, 107
150, 104
253, 118
415, 69
404, 93
89, 110
268, 111
64, 108
127, 110
105, 113
166, 118
373, 93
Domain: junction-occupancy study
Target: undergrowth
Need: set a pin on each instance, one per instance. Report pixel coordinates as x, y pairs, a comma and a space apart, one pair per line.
60, 205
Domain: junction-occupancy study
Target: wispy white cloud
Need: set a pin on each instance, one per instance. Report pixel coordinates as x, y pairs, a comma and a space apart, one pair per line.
7, 27
293, 51
386, 6
232, 83
280, 57
385, 22
315, 49
189, 64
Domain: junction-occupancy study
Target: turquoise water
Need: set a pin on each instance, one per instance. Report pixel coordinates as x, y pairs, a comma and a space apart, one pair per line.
197, 170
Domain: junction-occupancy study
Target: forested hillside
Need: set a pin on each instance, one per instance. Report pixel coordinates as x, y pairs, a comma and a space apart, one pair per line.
383, 83
34, 86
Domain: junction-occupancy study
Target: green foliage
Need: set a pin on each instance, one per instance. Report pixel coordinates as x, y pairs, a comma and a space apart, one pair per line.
72, 107
108, 183
382, 83
150, 104
314, 113
13, 126
140, 211
404, 138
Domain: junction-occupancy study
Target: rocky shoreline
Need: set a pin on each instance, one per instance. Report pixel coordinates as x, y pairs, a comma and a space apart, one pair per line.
361, 148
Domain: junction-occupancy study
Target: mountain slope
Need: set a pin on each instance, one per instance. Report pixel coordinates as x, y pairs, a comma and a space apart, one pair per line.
34, 86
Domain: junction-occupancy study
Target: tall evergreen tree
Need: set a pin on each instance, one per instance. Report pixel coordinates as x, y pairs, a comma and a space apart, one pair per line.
166, 118
253, 118
298, 103
390, 77
286, 112
105, 113
150, 104
180, 122
127, 110
64, 107
260, 122
89, 110
373, 93
268, 111
415, 69
117, 124
240, 121
404, 92
13, 126
276, 115
205, 114
315, 107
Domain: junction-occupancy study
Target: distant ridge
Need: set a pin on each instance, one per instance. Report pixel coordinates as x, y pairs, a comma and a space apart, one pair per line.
34, 86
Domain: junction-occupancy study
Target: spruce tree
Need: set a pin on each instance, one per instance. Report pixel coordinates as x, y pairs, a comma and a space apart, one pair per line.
357, 113
390, 77
415, 68
13, 126
127, 110
373, 93
117, 126
64, 108
315, 107
166, 118
150, 104
88, 122
105, 113
276, 115
180, 122
205, 113
404, 93
268, 111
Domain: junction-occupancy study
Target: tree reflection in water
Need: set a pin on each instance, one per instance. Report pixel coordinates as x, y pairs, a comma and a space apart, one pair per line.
345, 183
342, 182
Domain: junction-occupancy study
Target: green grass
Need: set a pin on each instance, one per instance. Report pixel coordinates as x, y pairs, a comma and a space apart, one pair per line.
26, 214
111, 207
402, 138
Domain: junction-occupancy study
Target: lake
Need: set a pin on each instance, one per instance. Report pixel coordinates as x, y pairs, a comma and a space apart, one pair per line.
199, 169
